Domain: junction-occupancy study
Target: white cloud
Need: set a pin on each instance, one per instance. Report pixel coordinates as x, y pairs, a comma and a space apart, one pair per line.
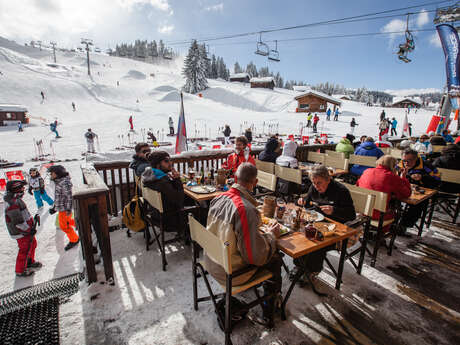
165, 29
435, 41
216, 8
423, 18
162, 5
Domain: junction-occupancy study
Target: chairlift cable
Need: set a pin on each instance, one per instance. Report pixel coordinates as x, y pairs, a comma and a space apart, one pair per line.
333, 21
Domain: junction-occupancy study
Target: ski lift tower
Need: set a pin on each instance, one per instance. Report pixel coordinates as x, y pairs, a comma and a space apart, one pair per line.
88, 43
53, 44
447, 14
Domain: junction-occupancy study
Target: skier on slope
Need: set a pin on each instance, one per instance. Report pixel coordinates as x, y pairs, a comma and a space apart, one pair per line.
53, 128
131, 126
43, 96
394, 123
309, 117
20, 129
73, 106
315, 123
353, 124
336, 114
37, 188
227, 131
382, 115
21, 227
171, 126
328, 114
90, 136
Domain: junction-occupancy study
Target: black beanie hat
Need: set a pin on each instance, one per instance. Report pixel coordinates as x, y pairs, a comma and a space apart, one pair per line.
59, 170
15, 186
156, 157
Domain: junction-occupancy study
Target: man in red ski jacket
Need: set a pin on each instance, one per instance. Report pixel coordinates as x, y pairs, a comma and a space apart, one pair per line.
242, 154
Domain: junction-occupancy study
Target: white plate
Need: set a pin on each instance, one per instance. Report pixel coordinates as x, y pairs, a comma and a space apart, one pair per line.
319, 216
202, 189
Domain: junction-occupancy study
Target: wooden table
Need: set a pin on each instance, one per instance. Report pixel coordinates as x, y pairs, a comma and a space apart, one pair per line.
417, 198
201, 197
297, 245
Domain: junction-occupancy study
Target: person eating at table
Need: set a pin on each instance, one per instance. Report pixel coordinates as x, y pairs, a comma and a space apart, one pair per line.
421, 173
331, 199
163, 178
234, 218
241, 155
384, 178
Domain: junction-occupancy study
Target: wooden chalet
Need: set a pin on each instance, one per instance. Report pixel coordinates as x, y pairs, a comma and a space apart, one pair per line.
240, 77
11, 114
406, 103
267, 83
315, 101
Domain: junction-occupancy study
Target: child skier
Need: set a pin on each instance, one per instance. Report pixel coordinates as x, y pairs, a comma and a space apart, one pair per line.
37, 188
53, 128
63, 203
21, 227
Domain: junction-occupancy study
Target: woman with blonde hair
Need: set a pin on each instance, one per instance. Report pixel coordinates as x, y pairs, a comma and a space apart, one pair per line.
384, 178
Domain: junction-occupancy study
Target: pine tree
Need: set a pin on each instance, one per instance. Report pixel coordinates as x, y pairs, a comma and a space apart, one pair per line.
161, 48
194, 70
213, 67
237, 68
205, 60
251, 69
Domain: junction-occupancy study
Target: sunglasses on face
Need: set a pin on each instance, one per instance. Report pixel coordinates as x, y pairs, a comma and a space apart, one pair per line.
145, 151
166, 160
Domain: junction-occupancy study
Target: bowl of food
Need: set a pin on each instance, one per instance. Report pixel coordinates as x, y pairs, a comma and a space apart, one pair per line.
312, 216
326, 229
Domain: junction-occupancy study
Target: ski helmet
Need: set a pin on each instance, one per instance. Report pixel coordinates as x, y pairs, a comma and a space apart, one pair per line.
15, 186
33, 170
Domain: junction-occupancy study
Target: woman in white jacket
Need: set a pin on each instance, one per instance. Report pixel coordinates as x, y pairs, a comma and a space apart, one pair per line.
287, 159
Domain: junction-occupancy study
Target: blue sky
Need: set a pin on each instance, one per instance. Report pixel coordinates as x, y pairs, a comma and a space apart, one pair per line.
353, 62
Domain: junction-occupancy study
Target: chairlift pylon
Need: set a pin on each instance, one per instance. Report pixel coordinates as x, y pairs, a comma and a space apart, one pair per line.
274, 54
167, 54
262, 48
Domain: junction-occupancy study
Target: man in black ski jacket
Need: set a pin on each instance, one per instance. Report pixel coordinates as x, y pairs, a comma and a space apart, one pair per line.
139, 162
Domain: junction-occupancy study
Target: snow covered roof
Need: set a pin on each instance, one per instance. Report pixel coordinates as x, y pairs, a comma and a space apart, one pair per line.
320, 95
407, 99
262, 80
300, 88
12, 107
239, 75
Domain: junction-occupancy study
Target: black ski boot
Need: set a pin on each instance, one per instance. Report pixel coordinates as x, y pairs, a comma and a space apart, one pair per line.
70, 245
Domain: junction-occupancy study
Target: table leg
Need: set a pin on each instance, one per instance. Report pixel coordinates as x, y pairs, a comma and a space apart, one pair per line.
430, 217
300, 272
341, 263
422, 221
363, 246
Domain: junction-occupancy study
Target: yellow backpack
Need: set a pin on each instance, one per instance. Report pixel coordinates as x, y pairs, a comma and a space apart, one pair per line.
132, 216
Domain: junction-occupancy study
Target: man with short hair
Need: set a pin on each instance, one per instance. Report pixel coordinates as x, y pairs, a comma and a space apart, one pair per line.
139, 162
234, 218
163, 178
421, 173
241, 155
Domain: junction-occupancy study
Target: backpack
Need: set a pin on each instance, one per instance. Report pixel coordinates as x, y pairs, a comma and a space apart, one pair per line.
132, 215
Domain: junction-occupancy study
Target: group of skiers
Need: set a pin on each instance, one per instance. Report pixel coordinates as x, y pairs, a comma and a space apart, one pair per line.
23, 227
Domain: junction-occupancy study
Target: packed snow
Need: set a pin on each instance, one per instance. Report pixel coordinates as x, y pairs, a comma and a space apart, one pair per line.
150, 93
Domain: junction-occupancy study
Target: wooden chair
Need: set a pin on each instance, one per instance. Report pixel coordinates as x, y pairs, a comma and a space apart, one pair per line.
335, 154
316, 157
367, 161
449, 202
267, 167
396, 153
380, 205
364, 206
153, 199
289, 174
438, 148
266, 181
219, 252
334, 162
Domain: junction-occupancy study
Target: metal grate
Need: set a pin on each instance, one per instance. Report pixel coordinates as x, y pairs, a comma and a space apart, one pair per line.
63, 288
31, 315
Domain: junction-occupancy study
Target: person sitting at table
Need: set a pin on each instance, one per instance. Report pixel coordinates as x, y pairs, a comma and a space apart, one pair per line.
271, 152
234, 218
287, 159
423, 146
345, 145
241, 155
447, 137
437, 140
335, 202
163, 178
367, 148
421, 173
139, 162
384, 178
450, 159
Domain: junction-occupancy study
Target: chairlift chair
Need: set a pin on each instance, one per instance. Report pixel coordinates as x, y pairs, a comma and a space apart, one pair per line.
274, 54
262, 48
408, 46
